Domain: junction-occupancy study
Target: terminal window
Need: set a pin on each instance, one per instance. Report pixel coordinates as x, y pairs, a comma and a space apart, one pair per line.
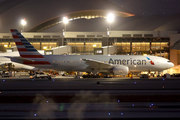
159, 46
99, 51
140, 46
123, 47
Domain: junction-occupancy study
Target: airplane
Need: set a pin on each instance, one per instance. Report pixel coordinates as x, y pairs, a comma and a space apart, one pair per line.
7, 65
110, 64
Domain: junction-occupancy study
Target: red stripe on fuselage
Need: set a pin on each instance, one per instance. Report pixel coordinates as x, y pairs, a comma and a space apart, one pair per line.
32, 56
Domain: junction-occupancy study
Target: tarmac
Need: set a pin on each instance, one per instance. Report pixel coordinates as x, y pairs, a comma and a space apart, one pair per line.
70, 98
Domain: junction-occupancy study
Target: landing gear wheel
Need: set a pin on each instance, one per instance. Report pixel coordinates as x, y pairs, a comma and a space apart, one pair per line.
97, 76
91, 76
84, 76
49, 78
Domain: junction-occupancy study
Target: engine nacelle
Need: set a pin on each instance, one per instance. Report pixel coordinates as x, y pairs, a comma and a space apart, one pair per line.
120, 70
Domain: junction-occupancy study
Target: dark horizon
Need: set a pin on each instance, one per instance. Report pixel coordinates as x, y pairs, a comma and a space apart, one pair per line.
152, 15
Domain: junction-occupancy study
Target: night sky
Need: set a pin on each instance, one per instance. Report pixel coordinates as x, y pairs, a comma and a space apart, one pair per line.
149, 14
150, 7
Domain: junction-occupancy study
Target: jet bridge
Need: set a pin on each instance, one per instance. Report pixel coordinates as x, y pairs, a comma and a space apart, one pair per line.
106, 50
59, 50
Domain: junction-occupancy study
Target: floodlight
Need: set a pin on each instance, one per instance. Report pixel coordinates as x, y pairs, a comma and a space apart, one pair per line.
23, 22
110, 17
65, 20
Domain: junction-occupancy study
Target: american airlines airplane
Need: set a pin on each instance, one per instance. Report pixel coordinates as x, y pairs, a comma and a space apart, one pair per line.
5, 61
110, 64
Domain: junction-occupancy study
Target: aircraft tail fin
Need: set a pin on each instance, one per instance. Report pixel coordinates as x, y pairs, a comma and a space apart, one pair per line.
26, 50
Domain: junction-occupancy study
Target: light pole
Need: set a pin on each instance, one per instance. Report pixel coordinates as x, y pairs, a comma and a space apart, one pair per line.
65, 21
110, 19
23, 23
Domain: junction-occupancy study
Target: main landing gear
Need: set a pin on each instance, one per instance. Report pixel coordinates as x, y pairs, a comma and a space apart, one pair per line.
91, 76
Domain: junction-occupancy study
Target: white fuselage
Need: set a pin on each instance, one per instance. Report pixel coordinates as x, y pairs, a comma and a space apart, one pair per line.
134, 62
75, 62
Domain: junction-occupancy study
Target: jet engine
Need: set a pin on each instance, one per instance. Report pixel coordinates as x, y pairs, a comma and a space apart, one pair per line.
120, 70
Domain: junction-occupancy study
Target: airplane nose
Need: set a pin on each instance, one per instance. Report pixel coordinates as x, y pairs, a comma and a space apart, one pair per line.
170, 65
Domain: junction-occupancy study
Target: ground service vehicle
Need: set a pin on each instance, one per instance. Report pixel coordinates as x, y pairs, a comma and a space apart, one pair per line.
40, 75
5, 75
144, 76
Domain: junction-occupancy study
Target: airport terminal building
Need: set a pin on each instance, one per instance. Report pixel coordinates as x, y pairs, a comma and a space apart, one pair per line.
88, 32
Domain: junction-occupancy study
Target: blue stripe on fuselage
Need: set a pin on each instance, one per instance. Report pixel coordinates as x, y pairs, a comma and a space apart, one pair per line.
148, 58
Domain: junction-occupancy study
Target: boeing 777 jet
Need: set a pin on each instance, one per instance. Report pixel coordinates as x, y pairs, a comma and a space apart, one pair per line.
110, 64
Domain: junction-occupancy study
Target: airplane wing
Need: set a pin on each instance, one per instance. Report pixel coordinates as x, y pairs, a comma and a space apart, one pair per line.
97, 64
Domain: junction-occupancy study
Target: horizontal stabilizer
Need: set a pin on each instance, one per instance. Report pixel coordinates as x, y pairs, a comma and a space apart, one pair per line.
23, 59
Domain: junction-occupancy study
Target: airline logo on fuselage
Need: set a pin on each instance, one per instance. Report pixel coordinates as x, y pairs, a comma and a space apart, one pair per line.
152, 63
130, 61
127, 61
